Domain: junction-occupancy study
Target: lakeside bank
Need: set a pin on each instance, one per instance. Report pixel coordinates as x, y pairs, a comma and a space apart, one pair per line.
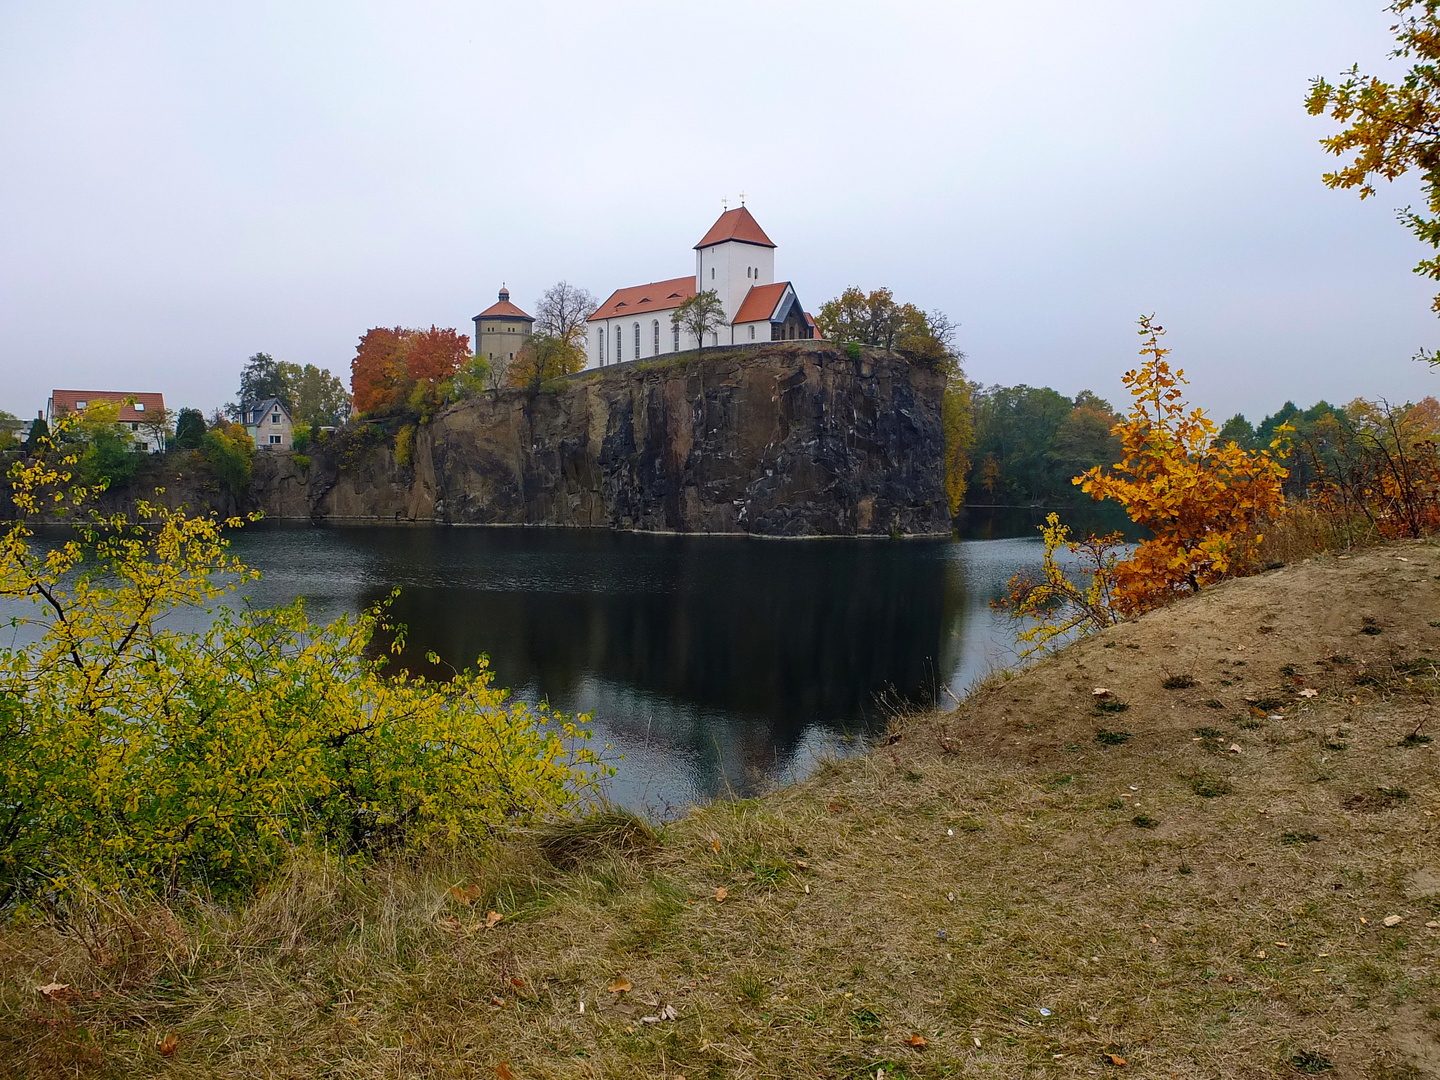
1232, 877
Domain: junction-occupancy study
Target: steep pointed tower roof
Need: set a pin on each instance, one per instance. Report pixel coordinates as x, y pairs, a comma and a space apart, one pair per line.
736, 225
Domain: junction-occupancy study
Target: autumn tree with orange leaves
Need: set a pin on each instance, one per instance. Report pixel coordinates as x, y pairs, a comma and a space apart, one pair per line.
1203, 499
399, 370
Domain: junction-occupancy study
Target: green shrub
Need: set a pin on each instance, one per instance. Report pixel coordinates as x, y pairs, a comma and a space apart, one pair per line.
853, 350
229, 452
302, 461
405, 446
136, 757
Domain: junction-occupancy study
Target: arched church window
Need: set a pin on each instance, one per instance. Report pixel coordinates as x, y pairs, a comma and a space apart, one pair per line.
637, 341
752, 333
655, 327
712, 273
600, 344
676, 346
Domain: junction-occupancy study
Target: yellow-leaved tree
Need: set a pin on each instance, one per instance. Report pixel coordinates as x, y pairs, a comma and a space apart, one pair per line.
1203, 500
138, 756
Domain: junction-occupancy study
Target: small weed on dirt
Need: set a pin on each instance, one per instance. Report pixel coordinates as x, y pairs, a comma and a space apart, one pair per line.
1179, 682
1112, 738
1210, 787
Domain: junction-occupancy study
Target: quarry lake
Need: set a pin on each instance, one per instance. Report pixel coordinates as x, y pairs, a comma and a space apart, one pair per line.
714, 665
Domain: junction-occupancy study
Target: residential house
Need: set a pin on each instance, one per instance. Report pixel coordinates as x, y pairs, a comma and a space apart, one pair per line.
269, 423
143, 415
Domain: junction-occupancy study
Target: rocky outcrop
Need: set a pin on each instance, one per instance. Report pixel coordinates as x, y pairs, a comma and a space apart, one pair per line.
797, 439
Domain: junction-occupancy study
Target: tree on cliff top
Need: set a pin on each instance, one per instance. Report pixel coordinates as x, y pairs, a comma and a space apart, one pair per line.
404, 371
877, 320
312, 394
700, 315
541, 359
562, 313
189, 429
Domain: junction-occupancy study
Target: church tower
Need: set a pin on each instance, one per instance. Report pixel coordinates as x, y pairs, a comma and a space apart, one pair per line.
734, 257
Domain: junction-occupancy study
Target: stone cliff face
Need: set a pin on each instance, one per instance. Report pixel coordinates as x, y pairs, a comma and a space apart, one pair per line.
785, 440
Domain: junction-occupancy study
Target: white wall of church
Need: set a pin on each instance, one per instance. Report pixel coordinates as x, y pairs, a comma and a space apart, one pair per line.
600, 348
731, 269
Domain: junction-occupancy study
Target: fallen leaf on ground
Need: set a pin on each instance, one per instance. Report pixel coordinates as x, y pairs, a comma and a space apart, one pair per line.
467, 896
715, 843
917, 1040
1100, 691
620, 986
518, 983
167, 1045
1308, 692
491, 919
503, 1072
1433, 925
720, 894
54, 989
1116, 1059
498, 1002
1234, 748
1394, 920
450, 926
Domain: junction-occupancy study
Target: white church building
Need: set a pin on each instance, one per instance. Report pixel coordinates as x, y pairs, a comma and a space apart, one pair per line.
735, 259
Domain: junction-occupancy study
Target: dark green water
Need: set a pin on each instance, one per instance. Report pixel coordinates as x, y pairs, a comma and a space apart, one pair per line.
715, 665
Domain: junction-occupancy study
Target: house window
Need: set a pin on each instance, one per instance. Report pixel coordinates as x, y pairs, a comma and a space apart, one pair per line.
712, 273
139, 406
655, 327
274, 440
676, 346
637, 341
81, 405
752, 333
275, 418
600, 344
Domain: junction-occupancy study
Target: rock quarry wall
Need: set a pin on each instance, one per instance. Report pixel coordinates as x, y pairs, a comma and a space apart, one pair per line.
790, 439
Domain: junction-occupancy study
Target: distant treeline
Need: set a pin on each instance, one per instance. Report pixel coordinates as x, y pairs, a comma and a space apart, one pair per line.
1029, 441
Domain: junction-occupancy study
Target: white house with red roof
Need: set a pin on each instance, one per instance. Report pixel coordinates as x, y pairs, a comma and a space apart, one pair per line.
735, 259
143, 415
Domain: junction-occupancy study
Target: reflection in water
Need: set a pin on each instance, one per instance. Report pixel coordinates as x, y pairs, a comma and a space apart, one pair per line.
713, 664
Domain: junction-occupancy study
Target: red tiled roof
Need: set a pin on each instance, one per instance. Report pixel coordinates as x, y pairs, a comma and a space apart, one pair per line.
64, 401
657, 296
759, 303
503, 310
738, 225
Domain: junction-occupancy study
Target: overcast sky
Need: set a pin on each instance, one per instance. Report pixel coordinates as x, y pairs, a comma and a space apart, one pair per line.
182, 185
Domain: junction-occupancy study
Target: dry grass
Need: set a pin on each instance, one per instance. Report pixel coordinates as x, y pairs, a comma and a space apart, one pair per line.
1304, 532
985, 866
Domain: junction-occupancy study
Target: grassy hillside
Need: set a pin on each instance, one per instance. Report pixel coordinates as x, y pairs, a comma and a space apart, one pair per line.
1224, 866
